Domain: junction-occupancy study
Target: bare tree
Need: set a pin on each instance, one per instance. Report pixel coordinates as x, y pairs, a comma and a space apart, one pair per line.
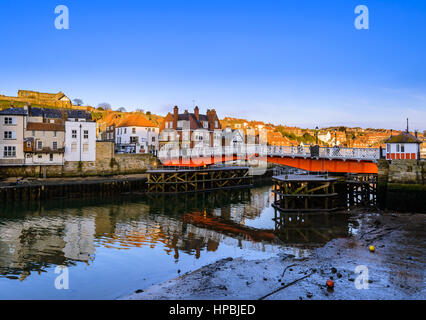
105, 106
140, 110
78, 102
122, 109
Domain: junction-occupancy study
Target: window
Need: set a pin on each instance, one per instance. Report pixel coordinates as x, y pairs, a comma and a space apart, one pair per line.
402, 148
54, 133
206, 124
167, 125
216, 124
74, 147
39, 145
51, 157
55, 145
133, 130
153, 139
40, 156
388, 147
9, 152
179, 124
397, 148
85, 147
9, 121
125, 130
86, 134
33, 133
74, 134
8, 135
28, 144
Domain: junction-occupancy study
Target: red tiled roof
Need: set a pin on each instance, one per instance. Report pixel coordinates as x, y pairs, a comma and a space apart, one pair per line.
135, 120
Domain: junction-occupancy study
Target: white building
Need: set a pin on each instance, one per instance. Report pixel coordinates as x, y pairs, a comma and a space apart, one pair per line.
12, 126
403, 146
80, 137
136, 134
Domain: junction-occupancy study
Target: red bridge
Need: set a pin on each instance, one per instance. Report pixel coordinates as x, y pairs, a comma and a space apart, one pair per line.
338, 160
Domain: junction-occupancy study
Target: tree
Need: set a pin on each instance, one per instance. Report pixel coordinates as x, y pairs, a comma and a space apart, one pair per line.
121, 109
105, 106
78, 102
140, 110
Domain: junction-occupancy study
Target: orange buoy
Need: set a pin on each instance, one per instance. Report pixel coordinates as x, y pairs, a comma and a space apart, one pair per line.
330, 283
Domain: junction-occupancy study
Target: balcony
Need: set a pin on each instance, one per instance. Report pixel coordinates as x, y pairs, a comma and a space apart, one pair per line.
47, 150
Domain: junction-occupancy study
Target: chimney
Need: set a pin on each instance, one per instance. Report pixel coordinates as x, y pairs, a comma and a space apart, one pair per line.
197, 113
175, 116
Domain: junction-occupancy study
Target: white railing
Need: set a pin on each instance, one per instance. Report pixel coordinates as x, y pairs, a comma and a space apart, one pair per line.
242, 151
326, 153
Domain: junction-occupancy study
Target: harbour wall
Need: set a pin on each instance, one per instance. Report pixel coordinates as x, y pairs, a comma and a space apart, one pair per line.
401, 185
107, 164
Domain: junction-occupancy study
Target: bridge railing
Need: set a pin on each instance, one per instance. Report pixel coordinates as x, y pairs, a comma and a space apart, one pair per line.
327, 153
369, 154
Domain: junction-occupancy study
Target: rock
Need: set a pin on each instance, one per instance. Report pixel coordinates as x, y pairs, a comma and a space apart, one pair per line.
178, 270
333, 270
351, 279
265, 279
300, 298
139, 291
339, 275
309, 295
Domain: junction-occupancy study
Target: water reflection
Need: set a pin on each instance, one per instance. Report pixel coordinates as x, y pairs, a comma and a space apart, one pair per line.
312, 228
35, 237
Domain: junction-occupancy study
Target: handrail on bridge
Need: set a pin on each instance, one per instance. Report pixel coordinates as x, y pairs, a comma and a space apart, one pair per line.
369, 154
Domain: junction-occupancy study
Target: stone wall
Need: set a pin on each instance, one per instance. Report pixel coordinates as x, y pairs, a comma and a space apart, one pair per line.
402, 171
107, 163
401, 185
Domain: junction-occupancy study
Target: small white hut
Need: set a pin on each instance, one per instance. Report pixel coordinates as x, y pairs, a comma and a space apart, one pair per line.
403, 146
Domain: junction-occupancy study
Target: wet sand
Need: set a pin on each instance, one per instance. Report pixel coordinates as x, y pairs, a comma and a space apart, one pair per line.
396, 270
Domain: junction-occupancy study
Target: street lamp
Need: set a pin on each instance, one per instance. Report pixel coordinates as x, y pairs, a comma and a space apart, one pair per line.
316, 134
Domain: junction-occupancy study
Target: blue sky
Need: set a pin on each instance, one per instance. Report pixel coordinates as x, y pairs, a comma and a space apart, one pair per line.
291, 62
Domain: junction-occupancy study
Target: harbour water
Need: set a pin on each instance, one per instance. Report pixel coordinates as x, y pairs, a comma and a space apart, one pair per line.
116, 246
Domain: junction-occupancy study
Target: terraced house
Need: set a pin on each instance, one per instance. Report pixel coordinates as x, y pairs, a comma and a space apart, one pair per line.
42, 136
190, 130
136, 134
12, 128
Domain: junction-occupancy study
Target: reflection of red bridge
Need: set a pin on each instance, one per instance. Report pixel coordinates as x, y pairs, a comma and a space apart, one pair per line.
339, 160
228, 227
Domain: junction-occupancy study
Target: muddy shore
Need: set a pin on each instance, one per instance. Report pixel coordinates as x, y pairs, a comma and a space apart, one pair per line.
396, 270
